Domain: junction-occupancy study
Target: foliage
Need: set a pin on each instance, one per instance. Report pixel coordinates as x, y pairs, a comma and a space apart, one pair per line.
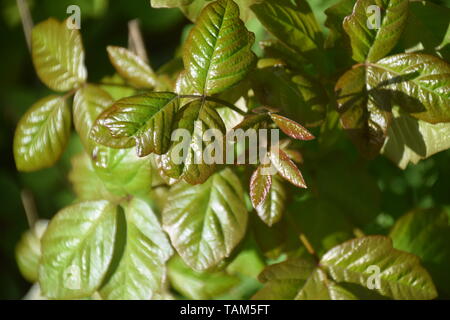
145, 226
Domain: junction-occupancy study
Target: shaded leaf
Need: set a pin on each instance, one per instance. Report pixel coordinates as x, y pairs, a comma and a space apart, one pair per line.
77, 249
410, 140
141, 271
205, 222
196, 284
376, 42
58, 55
217, 53
426, 233
297, 96
42, 134
28, 251
271, 208
294, 25
418, 83
131, 67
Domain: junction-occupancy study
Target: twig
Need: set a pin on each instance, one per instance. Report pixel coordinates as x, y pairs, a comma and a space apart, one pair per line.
135, 42
30, 207
27, 21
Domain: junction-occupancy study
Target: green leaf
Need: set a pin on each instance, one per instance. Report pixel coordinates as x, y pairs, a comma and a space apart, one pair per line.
86, 184
418, 83
205, 222
88, 103
286, 168
291, 128
300, 98
186, 157
140, 273
299, 279
271, 208
426, 233
294, 25
146, 118
169, 3
277, 50
131, 67
199, 285
217, 53
77, 249
427, 29
335, 16
42, 134
410, 140
401, 275
374, 43
28, 251
58, 55
365, 122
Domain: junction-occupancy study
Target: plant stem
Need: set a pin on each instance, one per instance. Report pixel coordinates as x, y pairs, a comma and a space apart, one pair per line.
27, 21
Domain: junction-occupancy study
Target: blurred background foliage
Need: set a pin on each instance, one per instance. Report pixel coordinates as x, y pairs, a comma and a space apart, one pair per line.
104, 22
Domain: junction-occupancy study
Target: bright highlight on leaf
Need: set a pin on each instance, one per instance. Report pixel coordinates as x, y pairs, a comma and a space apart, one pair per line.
217, 54
42, 134
58, 55
132, 67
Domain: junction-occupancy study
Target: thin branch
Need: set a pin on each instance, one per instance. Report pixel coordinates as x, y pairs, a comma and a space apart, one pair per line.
135, 41
27, 21
30, 207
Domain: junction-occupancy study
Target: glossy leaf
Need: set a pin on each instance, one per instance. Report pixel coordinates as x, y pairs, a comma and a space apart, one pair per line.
286, 168
140, 273
426, 233
148, 118
410, 140
401, 275
259, 186
335, 16
77, 249
207, 221
186, 156
28, 251
294, 25
217, 53
42, 134
271, 208
375, 42
418, 83
169, 3
58, 55
131, 67
291, 128
361, 116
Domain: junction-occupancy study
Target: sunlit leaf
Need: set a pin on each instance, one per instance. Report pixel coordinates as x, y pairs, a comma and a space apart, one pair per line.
146, 118
77, 249
400, 274
217, 53
58, 55
206, 222
131, 67
286, 168
369, 40
140, 273
42, 134
291, 128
